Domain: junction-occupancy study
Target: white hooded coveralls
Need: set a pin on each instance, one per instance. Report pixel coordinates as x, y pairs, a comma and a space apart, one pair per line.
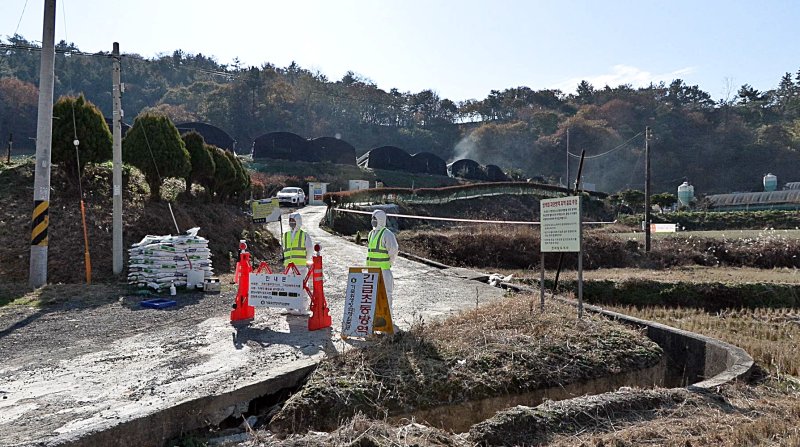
390, 242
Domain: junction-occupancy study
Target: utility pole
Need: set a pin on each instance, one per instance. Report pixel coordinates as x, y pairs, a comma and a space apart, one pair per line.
8, 151
647, 136
44, 137
117, 164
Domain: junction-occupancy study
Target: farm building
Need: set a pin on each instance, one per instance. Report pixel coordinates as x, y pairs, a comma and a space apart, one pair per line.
466, 169
210, 133
788, 199
333, 150
428, 163
386, 157
284, 146
495, 173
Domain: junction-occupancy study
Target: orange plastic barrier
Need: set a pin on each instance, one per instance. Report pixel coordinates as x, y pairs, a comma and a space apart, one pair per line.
321, 317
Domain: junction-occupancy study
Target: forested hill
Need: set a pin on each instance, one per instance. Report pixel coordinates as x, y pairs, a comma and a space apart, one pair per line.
719, 146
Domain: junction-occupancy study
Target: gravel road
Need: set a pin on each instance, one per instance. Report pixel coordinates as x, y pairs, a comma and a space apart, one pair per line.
82, 366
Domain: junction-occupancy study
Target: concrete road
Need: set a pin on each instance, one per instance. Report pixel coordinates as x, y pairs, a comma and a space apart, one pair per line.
114, 373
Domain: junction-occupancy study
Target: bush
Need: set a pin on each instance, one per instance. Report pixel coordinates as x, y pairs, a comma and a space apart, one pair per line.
91, 130
201, 159
154, 146
224, 174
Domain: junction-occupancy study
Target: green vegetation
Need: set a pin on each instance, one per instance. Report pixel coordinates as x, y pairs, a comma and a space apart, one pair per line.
202, 161
154, 145
516, 128
76, 118
721, 221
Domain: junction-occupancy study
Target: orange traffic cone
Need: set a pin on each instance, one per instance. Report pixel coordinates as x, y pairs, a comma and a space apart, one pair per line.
321, 317
242, 310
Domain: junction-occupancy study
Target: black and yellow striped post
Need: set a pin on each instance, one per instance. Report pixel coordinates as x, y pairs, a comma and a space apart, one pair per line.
39, 223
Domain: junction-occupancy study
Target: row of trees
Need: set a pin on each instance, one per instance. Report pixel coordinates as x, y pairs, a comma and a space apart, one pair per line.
153, 145
754, 132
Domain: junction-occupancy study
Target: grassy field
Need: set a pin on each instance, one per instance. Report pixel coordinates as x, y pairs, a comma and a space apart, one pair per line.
727, 234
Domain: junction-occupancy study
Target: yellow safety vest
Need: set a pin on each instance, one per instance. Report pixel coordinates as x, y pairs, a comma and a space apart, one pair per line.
377, 254
294, 250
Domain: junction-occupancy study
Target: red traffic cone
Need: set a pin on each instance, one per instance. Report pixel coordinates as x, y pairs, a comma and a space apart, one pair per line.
321, 317
242, 310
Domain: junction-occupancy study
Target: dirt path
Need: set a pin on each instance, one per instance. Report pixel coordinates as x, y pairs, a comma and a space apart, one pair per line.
85, 365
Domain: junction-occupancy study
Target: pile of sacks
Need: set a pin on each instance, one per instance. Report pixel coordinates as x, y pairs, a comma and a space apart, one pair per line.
160, 261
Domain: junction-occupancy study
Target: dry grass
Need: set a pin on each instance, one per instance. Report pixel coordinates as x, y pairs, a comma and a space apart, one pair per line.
769, 335
743, 415
495, 350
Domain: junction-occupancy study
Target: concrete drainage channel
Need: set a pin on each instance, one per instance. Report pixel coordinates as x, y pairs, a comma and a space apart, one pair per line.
691, 360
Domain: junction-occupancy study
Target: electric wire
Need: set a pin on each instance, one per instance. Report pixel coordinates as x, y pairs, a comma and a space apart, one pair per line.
20, 17
589, 157
158, 174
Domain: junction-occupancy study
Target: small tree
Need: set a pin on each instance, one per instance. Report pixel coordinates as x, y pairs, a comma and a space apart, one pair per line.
664, 200
242, 182
154, 146
92, 132
224, 174
202, 161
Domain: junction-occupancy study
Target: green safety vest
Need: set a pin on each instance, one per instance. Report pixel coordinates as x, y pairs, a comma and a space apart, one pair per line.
294, 250
377, 254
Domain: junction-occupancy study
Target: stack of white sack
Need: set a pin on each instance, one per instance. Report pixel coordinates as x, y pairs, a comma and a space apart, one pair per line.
159, 261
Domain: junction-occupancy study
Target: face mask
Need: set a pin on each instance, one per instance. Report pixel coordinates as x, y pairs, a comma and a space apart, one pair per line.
374, 223
292, 224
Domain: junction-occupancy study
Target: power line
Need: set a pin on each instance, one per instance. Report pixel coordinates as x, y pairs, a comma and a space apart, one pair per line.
20, 17
607, 152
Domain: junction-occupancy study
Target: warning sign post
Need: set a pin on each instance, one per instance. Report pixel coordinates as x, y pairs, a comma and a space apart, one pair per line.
265, 210
366, 306
561, 232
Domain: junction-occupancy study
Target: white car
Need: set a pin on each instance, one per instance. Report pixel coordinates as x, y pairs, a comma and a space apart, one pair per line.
292, 196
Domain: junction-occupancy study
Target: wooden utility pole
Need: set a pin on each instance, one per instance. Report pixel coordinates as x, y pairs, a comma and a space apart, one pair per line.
567, 181
647, 136
40, 219
117, 164
8, 150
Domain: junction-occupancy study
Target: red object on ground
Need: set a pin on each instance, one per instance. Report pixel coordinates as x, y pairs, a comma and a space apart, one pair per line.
321, 317
242, 309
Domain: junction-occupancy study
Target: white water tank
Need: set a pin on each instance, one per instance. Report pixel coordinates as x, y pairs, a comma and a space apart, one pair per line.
685, 194
770, 182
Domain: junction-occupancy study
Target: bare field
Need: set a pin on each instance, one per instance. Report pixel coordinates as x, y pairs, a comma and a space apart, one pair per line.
695, 274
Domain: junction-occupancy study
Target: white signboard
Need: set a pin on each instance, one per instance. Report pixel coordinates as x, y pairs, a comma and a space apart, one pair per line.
359, 303
561, 224
276, 290
662, 228
266, 210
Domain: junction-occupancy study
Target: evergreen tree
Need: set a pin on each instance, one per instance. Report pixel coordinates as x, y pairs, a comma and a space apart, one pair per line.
77, 118
154, 145
201, 159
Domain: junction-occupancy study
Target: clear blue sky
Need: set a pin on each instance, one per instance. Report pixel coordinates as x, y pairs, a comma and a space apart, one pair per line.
461, 48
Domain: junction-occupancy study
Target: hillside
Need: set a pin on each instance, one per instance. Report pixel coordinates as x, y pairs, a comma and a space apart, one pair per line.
222, 224
518, 128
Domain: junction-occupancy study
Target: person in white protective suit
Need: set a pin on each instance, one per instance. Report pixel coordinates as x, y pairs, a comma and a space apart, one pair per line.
297, 249
382, 250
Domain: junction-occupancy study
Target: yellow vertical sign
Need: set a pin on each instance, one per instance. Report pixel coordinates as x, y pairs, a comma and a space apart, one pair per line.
366, 307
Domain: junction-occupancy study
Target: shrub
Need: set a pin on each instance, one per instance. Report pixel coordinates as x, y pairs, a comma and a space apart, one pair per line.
202, 161
224, 174
154, 146
91, 130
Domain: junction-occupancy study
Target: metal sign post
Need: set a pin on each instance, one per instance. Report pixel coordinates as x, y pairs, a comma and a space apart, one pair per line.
561, 232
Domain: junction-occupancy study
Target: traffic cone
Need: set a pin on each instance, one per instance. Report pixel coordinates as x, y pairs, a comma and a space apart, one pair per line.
242, 310
321, 317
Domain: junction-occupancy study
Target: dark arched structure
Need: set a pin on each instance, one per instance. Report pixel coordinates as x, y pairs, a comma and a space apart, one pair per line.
467, 169
283, 145
210, 133
495, 173
333, 150
428, 163
386, 157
